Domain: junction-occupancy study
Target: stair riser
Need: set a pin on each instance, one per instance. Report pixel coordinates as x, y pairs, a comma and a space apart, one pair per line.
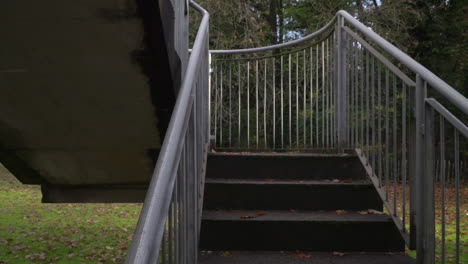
284, 167
311, 236
291, 196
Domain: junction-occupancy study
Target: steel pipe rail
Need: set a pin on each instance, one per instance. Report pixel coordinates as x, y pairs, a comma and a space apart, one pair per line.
438, 84
170, 233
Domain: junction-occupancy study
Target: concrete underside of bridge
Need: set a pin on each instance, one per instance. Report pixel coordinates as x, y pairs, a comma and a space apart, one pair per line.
86, 93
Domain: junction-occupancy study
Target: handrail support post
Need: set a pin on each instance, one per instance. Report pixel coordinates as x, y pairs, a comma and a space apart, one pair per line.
341, 82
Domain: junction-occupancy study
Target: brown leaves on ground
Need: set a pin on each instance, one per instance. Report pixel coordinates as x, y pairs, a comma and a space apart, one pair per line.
371, 211
338, 254
226, 254
300, 254
341, 181
341, 212
257, 214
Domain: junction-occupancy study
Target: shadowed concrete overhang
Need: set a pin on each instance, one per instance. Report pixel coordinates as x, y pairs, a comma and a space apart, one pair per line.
86, 92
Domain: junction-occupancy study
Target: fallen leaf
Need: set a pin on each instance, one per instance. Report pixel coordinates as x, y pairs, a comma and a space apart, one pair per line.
363, 212
338, 254
247, 216
347, 181
372, 211
299, 254
269, 180
335, 180
226, 254
341, 212
260, 213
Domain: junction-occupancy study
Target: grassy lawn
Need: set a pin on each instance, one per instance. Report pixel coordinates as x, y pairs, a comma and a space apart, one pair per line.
32, 232
450, 221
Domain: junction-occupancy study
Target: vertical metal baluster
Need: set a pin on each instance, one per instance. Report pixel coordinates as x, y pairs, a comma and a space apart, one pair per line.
362, 99
248, 104
379, 126
328, 93
163, 253
221, 102
387, 132
311, 100
239, 104
330, 96
216, 105
317, 94
256, 102
297, 99
230, 104
395, 136
264, 103
442, 185
403, 152
305, 98
290, 114
456, 167
282, 109
373, 113
325, 91
353, 105
273, 92
323, 94
367, 107
171, 229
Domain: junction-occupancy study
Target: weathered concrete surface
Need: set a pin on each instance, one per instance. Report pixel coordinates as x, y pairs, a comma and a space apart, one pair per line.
85, 90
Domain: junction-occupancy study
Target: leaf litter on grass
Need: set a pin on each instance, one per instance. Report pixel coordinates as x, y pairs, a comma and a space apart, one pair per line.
32, 232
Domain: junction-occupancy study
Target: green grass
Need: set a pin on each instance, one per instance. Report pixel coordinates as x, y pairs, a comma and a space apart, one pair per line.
33, 232
450, 222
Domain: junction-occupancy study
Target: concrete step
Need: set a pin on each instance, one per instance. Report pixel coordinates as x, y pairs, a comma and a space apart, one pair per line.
291, 166
268, 194
285, 257
299, 230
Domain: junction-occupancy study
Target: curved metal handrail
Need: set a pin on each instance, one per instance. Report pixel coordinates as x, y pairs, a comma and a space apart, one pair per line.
438, 84
278, 46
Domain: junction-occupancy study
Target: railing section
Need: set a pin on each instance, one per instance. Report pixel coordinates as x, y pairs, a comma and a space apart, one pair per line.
414, 162
168, 228
345, 87
281, 97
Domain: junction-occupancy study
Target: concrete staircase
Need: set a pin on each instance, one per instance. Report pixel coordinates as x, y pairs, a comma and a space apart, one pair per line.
288, 202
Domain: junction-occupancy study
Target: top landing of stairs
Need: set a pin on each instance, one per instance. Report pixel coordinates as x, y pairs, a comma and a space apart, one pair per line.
287, 165
284, 257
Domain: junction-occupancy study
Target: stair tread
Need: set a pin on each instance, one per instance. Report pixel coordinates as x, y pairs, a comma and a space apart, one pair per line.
282, 154
285, 182
291, 257
291, 216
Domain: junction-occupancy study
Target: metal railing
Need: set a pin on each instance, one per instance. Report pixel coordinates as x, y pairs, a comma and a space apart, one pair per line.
279, 97
168, 228
345, 87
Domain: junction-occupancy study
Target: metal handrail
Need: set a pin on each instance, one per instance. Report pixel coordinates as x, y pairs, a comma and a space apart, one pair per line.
438, 84
151, 226
328, 26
